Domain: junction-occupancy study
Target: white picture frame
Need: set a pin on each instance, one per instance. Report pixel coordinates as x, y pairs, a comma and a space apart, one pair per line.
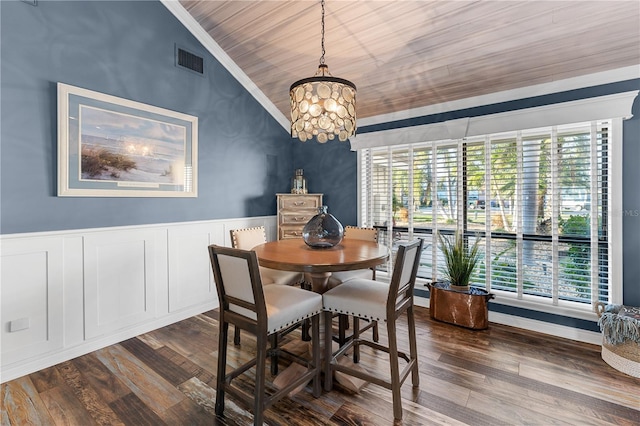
114, 147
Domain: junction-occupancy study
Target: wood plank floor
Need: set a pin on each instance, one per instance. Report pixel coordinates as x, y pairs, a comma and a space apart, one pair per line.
499, 376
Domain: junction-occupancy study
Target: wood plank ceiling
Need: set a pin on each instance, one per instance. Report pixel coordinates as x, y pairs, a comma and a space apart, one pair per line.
408, 54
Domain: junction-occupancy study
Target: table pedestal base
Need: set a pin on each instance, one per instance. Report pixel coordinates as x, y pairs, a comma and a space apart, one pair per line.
319, 281
352, 384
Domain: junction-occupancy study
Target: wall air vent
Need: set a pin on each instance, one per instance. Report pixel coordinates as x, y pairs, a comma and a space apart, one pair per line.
189, 61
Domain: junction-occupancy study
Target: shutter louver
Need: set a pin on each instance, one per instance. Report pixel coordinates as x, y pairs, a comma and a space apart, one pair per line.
446, 203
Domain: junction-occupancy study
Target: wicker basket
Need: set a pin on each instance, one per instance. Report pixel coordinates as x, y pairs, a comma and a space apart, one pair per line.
619, 350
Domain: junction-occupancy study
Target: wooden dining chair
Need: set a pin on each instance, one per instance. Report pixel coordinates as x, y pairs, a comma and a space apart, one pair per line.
355, 233
374, 300
264, 311
247, 239
337, 278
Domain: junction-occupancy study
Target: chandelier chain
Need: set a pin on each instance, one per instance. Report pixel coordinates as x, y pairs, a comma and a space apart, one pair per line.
322, 43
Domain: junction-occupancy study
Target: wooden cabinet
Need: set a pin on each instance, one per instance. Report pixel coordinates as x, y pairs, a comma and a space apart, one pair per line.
294, 211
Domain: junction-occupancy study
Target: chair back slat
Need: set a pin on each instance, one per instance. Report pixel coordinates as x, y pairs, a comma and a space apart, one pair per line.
248, 238
403, 279
359, 233
238, 282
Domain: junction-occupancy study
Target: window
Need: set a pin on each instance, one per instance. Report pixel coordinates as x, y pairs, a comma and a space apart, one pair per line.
538, 199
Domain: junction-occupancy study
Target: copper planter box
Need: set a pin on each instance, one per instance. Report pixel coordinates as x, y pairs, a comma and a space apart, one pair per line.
464, 308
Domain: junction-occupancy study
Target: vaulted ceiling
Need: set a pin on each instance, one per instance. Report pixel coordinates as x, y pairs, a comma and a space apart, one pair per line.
404, 55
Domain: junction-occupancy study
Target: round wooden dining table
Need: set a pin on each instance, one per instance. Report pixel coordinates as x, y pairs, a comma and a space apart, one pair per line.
294, 255
319, 263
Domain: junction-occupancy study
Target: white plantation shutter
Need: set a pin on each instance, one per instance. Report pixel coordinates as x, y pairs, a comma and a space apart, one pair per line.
423, 222
400, 185
537, 199
446, 186
365, 191
600, 212
475, 186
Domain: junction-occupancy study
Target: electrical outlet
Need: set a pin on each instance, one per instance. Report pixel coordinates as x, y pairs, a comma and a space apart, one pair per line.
19, 324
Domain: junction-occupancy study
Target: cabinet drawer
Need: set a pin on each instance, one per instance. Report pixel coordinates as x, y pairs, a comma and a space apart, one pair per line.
290, 232
298, 202
300, 218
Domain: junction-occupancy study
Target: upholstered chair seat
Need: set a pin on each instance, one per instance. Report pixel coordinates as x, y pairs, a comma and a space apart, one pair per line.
359, 297
340, 277
287, 306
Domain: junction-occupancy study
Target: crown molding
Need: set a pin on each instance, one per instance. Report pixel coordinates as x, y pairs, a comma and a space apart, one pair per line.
588, 80
617, 105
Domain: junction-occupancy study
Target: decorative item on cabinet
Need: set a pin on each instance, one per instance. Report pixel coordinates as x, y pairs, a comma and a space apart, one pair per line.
298, 183
294, 211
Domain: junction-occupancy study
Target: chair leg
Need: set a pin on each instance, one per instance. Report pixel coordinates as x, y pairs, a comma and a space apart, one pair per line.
315, 343
236, 336
261, 361
305, 330
356, 341
274, 356
395, 370
413, 347
376, 334
343, 324
222, 366
328, 374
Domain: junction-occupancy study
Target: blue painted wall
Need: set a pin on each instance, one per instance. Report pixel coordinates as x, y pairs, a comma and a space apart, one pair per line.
125, 49
332, 169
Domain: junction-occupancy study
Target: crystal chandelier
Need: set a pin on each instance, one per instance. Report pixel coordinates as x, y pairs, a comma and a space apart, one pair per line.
323, 106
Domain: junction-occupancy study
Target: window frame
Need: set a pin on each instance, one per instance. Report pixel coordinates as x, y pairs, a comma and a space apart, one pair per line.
613, 213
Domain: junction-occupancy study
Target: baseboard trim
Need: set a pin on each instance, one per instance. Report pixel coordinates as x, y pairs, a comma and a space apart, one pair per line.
534, 325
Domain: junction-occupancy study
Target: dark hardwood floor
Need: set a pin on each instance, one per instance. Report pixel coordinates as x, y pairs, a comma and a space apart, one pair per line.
500, 376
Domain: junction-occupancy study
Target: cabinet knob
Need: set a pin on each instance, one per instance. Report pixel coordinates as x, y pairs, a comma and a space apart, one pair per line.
298, 203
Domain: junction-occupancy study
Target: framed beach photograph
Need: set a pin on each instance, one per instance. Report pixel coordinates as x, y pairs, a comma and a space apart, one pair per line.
114, 147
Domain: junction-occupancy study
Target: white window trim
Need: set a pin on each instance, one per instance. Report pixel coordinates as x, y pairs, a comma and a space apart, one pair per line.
615, 212
610, 106
616, 107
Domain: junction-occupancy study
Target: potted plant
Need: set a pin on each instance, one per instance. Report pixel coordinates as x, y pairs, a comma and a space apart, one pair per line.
453, 301
460, 260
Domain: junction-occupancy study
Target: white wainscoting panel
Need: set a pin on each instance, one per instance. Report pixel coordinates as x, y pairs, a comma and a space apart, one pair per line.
190, 277
119, 279
73, 290
32, 288
67, 293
